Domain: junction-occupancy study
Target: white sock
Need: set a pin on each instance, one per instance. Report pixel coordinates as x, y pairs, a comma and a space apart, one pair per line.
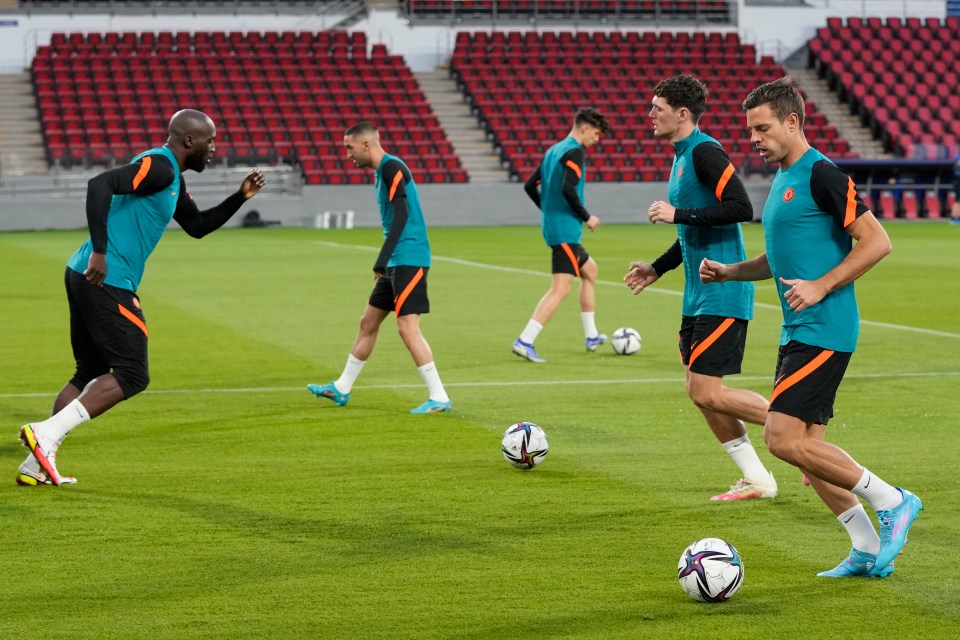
531, 331
876, 492
432, 377
863, 536
57, 426
589, 324
350, 372
743, 453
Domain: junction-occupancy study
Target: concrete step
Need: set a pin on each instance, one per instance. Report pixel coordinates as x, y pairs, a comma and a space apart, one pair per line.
469, 141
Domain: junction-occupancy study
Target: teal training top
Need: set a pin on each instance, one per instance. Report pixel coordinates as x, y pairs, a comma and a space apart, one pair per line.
404, 229
702, 177
810, 205
135, 223
560, 223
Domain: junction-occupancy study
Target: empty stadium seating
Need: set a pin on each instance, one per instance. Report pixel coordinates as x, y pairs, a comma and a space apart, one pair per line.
717, 11
276, 96
525, 88
900, 75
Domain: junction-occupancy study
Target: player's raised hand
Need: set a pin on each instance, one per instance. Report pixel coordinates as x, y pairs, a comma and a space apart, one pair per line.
640, 276
252, 183
713, 271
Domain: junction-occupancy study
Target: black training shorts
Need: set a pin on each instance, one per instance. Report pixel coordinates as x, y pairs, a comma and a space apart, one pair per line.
107, 331
712, 345
568, 258
402, 290
807, 381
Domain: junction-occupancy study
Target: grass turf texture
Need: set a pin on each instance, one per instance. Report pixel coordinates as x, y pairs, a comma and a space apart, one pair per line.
226, 502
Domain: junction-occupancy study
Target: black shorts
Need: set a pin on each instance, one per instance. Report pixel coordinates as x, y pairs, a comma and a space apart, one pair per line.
807, 381
402, 290
712, 345
568, 258
108, 333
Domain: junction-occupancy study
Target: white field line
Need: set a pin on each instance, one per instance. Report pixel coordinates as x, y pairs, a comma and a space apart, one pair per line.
610, 283
506, 383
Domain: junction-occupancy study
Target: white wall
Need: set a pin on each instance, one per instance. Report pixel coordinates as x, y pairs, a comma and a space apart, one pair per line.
777, 31
21, 34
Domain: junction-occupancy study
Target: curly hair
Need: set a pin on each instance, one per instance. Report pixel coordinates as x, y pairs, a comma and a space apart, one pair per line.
686, 92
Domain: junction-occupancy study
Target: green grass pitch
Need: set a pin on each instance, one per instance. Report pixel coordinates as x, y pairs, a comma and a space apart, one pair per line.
227, 502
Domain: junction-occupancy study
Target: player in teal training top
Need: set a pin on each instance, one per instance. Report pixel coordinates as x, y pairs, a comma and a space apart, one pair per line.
128, 209
556, 187
811, 219
707, 204
400, 272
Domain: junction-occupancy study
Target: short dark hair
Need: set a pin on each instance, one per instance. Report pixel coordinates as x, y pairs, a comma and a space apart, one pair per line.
593, 117
361, 128
684, 92
783, 96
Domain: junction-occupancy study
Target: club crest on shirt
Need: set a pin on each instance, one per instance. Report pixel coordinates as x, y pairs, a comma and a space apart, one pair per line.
788, 195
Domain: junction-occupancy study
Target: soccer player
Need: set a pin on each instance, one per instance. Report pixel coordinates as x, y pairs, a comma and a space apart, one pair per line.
811, 218
128, 209
556, 187
707, 203
400, 272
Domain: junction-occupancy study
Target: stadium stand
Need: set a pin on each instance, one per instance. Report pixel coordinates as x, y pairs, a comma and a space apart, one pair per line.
554, 73
903, 85
276, 97
685, 11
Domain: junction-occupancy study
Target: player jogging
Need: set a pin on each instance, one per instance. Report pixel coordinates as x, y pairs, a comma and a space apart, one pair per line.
707, 203
128, 209
810, 220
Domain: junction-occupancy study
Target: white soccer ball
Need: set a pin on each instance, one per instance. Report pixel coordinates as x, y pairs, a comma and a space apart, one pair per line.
710, 570
524, 445
625, 341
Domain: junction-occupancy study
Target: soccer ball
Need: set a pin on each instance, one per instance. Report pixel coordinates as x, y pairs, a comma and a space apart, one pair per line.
710, 570
524, 445
625, 341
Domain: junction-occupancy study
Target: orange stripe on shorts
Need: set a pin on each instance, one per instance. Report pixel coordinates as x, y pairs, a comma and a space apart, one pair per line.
573, 258
132, 317
406, 292
703, 346
806, 370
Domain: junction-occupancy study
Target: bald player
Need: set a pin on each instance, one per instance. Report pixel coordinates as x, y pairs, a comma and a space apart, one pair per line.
128, 209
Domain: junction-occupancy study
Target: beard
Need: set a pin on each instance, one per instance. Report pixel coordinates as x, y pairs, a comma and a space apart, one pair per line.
197, 162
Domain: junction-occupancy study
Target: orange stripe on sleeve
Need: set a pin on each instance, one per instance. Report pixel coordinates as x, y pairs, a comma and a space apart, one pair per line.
573, 258
724, 179
145, 163
703, 346
809, 368
396, 182
132, 317
576, 169
406, 291
851, 213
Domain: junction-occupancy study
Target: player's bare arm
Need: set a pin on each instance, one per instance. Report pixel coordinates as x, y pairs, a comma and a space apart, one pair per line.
872, 245
756, 269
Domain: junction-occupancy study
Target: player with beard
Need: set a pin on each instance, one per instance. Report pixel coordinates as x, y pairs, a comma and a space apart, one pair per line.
128, 209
